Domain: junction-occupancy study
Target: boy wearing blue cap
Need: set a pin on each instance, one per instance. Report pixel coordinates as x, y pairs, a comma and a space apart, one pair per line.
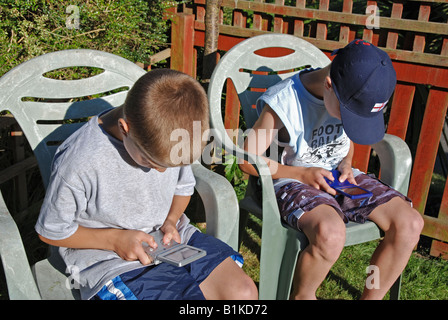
317, 114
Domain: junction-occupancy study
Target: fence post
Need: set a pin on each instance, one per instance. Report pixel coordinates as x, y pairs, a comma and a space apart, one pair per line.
182, 47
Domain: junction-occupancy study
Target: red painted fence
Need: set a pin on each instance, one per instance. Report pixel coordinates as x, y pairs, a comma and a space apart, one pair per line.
417, 44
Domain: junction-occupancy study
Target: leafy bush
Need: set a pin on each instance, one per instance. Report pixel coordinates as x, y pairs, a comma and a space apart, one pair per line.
133, 29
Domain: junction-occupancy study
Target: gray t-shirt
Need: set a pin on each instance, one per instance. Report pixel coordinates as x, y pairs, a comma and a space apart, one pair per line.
95, 184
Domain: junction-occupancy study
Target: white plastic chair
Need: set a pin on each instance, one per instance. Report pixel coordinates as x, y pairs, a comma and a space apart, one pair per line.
251, 72
46, 114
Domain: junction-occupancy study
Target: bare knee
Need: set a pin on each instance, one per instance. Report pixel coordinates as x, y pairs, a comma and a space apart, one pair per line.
407, 225
229, 282
246, 290
411, 229
330, 239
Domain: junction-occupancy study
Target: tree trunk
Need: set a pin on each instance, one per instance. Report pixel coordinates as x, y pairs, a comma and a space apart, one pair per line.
211, 39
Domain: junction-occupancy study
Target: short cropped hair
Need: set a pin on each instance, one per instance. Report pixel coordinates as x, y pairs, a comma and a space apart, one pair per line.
161, 102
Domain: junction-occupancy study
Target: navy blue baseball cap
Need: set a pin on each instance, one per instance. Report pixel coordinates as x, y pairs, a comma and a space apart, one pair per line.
363, 79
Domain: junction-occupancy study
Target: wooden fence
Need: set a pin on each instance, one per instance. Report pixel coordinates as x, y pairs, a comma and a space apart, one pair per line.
413, 33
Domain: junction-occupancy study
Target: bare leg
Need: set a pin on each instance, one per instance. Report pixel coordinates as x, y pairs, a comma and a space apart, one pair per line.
326, 234
229, 282
402, 226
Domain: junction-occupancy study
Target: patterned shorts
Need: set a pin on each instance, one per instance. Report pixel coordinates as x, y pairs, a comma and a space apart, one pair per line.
295, 198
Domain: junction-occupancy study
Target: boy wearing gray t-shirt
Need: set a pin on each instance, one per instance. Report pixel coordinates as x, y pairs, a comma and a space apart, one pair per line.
115, 180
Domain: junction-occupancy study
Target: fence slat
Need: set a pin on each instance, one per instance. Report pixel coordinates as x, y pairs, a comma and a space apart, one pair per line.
232, 108
361, 157
392, 37
401, 110
182, 50
419, 40
344, 33
432, 125
298, 23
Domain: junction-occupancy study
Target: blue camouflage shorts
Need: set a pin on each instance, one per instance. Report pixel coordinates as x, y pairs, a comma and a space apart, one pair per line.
295, 198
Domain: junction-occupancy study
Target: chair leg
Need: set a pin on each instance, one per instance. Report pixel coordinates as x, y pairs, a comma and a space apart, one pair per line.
244, 216
286, 276
273, 247
395, 289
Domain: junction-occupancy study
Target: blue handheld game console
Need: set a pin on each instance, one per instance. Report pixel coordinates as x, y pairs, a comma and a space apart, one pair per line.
346, 188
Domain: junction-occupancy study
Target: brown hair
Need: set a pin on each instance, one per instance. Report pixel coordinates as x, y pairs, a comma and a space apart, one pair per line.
160, 102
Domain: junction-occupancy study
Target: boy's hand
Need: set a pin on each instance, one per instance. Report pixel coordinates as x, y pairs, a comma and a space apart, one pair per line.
315, 177
128, 245
170, 232
346, 173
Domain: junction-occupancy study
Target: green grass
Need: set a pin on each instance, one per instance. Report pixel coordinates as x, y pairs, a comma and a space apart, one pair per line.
424, 278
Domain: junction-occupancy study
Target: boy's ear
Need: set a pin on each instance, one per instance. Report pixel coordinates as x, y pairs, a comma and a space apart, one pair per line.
123, 125
327, 83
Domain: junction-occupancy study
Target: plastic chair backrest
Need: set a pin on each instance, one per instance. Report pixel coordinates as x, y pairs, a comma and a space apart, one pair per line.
48, 110
252, 70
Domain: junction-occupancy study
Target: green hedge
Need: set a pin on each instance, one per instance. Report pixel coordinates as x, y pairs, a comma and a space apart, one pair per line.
133, 29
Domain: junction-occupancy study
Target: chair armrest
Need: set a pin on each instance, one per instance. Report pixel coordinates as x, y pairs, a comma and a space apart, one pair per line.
270, 212
396, 162
220, 204
19, 279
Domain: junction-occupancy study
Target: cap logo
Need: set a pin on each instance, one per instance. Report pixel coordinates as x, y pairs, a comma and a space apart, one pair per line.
379, 106
362, 42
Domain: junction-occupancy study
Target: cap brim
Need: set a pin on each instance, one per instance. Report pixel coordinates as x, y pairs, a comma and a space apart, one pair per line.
362, 130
